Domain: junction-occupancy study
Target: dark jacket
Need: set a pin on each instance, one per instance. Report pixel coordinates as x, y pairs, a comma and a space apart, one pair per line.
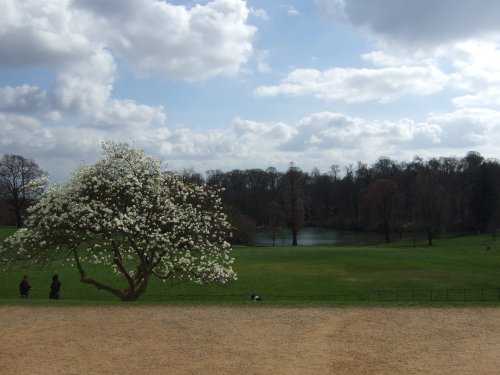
24, 287
55, 288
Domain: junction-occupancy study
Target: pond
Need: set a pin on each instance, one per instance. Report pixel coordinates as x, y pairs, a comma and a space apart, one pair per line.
316, 236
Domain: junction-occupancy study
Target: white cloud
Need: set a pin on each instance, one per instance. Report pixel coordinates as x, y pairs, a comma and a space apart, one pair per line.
262, 65
421, 24
152, 36
333, 8
291, 11
485, 98
259, 13
360, 85
383, 59
470, 68
476, 73
23, 99
79, 42
318, 140
187, 43
85, 102
468, 127
20, 131
460, 37
345, 139
34, 33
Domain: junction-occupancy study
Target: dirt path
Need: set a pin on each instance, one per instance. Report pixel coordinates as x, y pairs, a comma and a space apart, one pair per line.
249, 340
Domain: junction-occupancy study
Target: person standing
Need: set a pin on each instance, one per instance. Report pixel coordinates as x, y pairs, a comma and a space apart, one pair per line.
24, 287
55, 287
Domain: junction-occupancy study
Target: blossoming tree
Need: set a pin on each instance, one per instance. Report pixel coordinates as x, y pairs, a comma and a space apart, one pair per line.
124, 212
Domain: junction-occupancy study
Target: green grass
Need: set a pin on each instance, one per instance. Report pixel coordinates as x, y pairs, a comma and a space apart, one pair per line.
451, 272
6, 232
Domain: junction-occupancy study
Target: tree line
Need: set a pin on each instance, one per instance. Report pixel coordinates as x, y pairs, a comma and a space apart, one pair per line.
436, 196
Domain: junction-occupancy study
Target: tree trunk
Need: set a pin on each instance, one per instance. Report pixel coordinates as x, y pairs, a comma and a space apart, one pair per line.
16, 205
128, 296
19, 217
387, 232
134, 294
294, 237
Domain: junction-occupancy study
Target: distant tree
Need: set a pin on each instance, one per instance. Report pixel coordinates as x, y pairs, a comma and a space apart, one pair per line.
259, 194
123, 212
248, 190
334, 172
431, 201
320, 193
273, 178
189, 175
474, 192
276, 220
243, 228
294, 201
346, 207
384, 199
216, 178
485, 194
22, 181
456, 217
385, 168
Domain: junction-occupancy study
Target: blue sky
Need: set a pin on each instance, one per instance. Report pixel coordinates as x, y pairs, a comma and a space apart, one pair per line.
228, 84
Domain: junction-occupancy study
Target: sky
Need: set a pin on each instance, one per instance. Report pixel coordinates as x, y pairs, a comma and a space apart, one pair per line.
234, 84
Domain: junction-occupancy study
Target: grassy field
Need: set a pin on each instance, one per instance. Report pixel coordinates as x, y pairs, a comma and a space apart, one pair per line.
452, 271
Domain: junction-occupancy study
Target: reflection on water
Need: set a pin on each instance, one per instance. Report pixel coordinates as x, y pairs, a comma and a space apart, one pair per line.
316, 236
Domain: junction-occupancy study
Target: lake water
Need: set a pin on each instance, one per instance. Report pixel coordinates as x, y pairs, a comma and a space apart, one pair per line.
317, 236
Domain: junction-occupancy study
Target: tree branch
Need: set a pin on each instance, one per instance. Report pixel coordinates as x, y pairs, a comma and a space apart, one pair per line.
117, 260
97, 284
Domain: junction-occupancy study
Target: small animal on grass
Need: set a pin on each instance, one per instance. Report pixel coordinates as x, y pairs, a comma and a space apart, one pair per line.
255, 297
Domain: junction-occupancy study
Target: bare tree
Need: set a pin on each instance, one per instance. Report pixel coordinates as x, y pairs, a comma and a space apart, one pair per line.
22, 181
430, 204
189, 175
276, 220
294, 202
384, 198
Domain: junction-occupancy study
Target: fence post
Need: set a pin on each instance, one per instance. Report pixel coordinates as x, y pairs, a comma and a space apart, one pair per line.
379, 295
482, 294
464, 295
413, 294
431, 295
447, 299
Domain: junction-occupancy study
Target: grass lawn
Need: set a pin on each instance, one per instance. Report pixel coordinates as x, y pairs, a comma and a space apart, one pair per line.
451, 271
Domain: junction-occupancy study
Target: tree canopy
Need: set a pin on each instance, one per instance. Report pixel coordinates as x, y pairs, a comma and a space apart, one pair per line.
126, 213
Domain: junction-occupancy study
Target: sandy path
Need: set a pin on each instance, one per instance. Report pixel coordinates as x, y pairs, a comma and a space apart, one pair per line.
249, 340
